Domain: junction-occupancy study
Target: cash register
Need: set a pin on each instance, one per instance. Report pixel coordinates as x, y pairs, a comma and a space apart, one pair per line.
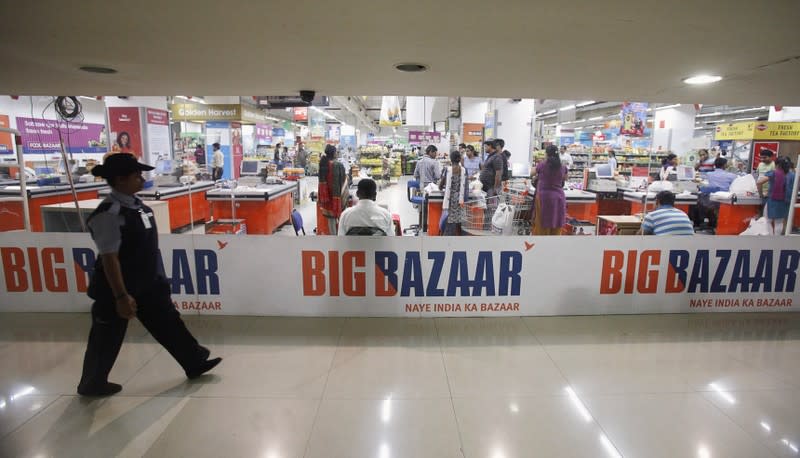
683, 179
252, 173
601, 179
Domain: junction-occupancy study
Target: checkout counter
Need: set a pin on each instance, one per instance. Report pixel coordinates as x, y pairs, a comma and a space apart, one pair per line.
187, 203
11, 212
735, 212
264, 208
645, 201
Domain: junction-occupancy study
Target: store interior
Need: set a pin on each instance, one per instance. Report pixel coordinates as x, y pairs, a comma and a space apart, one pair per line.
270, 150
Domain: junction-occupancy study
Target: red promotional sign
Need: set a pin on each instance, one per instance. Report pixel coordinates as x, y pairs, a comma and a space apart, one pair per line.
758, 146
126, 130
157, 117
300, 114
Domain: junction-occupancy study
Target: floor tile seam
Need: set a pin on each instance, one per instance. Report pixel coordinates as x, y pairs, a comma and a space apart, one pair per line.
160, 350
736, 423
325, 386
450, 390
32, 417
566, 379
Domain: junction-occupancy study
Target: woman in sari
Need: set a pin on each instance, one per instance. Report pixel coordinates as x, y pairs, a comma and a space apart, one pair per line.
332, 191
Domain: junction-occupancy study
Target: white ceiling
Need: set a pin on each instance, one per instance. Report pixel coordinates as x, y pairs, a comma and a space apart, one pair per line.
573, 49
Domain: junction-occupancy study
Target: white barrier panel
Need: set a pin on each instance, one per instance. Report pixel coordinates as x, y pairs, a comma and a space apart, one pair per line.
425, 276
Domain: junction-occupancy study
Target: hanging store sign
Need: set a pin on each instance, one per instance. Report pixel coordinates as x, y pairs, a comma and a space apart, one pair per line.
300, 114
735, 131
416, 136
777, 131
200, 112
634, 119
423, 276
45, 136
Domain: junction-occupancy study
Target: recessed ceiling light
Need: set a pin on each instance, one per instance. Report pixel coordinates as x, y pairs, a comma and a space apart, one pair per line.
101, 70
702, 79
411, 68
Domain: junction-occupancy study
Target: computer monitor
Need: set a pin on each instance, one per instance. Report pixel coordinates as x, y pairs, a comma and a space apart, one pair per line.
249, 168
685, 173
603, 171
164, 167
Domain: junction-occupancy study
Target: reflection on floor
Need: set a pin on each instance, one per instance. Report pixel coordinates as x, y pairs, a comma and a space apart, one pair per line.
714, 385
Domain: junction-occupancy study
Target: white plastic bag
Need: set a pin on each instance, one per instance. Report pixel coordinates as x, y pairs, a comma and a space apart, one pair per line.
757, 227
658, 186
503, 220
432, 187
744, 185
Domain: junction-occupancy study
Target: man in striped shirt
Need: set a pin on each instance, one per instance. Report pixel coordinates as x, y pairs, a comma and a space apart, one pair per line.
666, 219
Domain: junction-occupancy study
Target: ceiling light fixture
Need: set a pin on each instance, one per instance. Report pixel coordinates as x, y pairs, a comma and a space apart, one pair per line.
547, 113
747, 119
596, 118
583, 104
745, 110
568, 107
702, 79
411, 68
705, 115
666, 107
98, 69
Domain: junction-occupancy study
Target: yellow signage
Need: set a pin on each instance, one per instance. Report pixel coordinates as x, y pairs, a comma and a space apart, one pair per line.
200, 112
737, 131
759, 130
777, 131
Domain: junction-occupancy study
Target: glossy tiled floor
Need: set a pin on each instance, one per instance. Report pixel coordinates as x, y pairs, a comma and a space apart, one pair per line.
635, 386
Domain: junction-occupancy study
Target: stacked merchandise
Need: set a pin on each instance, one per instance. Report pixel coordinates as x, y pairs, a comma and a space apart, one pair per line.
371, 157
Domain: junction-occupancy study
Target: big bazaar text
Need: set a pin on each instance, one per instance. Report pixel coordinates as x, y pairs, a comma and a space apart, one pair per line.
333, 273
702, 271
48, 269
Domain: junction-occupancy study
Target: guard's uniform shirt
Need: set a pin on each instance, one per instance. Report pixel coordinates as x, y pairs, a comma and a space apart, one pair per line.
122, 224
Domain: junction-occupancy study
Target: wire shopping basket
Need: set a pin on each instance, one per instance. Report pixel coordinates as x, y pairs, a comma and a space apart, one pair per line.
508, 213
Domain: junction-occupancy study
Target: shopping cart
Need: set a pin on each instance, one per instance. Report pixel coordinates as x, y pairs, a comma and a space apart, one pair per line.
479, 213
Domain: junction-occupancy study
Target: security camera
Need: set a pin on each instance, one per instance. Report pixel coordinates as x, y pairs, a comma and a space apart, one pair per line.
307, 96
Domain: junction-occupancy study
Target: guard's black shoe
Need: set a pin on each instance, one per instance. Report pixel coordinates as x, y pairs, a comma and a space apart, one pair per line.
203, 367
106, 389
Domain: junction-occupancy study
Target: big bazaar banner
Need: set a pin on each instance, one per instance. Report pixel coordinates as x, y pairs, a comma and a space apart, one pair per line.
425, 276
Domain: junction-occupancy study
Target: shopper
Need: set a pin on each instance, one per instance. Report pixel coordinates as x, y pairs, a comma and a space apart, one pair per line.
766, 164
217, 163
720, 179
454, 183
302, 155
500, 145
565, 157
462, 148
550, 202
428, 169
276, 157
332, 192
366, 217
668, 165
492, 172
779, 195
612, 160
666, 219
704, 163
200, 155
129, 281
472, 163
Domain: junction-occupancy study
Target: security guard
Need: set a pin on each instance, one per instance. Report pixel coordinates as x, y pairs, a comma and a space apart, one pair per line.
129, 281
